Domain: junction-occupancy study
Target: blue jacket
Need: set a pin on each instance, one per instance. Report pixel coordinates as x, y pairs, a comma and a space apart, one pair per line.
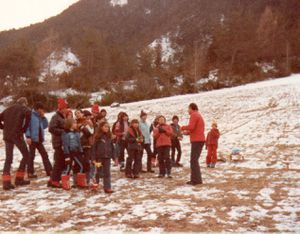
36, 124
71, 142
145, 129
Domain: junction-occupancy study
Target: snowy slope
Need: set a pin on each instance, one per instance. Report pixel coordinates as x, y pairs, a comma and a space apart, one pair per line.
260, 194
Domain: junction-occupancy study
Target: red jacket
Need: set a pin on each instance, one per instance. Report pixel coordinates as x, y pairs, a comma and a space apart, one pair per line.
196, 127
163, 139
213, 137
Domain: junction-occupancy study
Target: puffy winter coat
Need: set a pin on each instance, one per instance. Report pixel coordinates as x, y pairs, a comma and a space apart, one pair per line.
57, 128
163, 138
14, 121
103, 148
134, 139
213, 137
145, 129
71, 142
36, 126
196, 127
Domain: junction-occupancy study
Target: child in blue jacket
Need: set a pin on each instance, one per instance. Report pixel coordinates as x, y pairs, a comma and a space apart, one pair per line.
73, 155
103, 153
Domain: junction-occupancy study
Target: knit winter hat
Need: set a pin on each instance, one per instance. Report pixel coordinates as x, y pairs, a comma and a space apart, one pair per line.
143, 114
95, 109
62, 104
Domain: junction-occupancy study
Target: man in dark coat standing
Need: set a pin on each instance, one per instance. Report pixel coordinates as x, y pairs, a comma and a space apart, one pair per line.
56, 128
196, 130
14, 121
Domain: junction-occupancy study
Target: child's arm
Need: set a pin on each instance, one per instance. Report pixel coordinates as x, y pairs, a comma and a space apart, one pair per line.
65, 141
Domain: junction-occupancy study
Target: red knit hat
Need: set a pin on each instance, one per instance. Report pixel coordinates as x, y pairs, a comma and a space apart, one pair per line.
95, 109
62, 104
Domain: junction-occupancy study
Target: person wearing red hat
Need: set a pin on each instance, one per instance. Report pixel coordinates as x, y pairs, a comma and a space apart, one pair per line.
56, 128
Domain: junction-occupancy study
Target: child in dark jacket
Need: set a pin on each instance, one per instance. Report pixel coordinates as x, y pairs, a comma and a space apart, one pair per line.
135, 140
176, 138
163, 134
73, 153
212, 145
103, 152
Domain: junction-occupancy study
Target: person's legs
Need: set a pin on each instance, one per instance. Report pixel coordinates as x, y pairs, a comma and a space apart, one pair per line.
209, 154
21, 145
195, 167
9, 150
45, 157
179, 152
149, 157
6, 178
129, 160
214, 155
30, 165
168, 163
59, 164
161, 160
137, 164
106, 173
173, 150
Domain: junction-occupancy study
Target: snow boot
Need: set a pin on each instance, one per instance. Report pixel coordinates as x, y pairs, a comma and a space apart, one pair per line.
65, 182
6, 180
20, 181
81, 180
53, 184
108, 191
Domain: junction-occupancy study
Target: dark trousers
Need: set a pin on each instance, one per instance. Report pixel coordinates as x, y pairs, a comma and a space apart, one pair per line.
133, 162
41, 149
154, 155
176, 146
9, 148
122, 146
147, 148
195, 167
59, 164
86, 159
76, 163
102, 172
164, 160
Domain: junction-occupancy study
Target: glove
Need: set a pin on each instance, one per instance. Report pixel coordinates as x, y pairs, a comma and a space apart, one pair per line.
161, 130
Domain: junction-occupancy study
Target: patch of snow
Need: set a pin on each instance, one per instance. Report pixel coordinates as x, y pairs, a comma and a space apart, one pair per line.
59, 62
63, 93
118, 2
166, 46
266, 67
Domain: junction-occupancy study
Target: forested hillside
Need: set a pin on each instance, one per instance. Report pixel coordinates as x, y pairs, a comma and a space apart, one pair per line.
165, 47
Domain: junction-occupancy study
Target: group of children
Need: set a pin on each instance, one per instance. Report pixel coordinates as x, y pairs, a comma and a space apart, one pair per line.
85, 145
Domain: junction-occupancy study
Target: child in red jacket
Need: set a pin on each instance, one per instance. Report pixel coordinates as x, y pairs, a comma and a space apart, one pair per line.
212, 145
163, 134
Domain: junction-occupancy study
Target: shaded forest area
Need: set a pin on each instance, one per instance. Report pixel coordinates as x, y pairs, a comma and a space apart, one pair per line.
234, 38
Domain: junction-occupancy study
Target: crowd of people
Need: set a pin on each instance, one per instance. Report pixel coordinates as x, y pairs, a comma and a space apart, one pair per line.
85, 145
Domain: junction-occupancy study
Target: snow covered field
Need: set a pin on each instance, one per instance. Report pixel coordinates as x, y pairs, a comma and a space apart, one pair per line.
261, 194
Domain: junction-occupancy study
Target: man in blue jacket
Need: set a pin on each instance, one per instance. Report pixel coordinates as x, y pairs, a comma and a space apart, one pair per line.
35, 137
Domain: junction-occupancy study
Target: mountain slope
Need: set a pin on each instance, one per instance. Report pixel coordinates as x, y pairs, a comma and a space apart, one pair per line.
237, 40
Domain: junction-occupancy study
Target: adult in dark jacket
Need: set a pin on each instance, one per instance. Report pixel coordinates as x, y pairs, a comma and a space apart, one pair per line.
35, 137
102, 154
134, 139
56, 128
14, 122
195, 129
